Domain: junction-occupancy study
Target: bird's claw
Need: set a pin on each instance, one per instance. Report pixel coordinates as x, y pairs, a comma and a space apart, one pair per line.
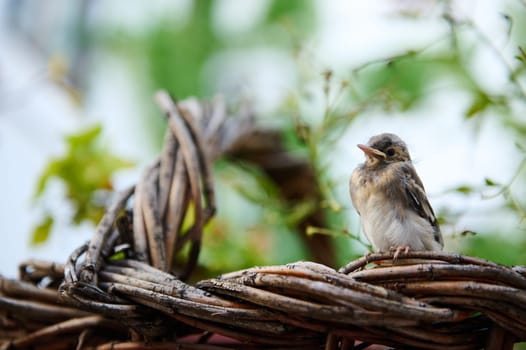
398, 250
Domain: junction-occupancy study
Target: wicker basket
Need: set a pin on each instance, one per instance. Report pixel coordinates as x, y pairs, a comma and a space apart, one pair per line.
427, 300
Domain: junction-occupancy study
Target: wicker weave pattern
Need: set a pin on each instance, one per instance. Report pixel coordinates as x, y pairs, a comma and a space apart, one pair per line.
427, 300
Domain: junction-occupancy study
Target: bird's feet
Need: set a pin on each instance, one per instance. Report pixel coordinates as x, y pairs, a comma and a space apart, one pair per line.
397, 250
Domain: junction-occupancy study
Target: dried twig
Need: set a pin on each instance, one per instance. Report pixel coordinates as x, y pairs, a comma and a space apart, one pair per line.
428, 300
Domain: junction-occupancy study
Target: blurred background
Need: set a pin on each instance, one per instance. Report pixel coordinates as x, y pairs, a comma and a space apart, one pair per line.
77, 118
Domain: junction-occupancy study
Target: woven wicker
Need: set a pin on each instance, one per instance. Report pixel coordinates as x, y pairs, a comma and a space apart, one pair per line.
426, 300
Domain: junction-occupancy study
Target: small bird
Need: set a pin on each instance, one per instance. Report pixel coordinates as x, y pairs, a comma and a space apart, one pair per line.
391, 200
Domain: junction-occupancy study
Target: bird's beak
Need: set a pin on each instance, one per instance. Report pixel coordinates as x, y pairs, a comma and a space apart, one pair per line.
373, 152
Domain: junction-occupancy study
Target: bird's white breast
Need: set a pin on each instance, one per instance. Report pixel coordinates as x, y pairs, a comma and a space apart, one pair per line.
386, 228
385, 222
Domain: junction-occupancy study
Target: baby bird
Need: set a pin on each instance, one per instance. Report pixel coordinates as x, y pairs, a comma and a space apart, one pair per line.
390, 198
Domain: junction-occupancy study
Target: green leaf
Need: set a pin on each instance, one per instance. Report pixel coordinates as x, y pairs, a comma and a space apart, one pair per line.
118, 256
442, 220
189, 218
464, 189
490, 182
479, 104
50, 170
42, 230
468, 233
85, 169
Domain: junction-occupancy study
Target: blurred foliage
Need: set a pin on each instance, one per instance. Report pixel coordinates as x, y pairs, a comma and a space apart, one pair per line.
173, 54
262, 235
58, 71
504, 250
314, 137
42, 230
402, 81
405, 81
176, 54
256, 188
85, 170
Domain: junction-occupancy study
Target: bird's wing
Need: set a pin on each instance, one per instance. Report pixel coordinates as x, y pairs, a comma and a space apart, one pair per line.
417, 199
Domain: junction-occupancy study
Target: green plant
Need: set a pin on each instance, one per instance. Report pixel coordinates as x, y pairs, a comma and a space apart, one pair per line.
86, 171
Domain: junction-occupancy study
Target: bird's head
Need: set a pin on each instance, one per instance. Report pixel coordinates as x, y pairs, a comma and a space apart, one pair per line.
384, 149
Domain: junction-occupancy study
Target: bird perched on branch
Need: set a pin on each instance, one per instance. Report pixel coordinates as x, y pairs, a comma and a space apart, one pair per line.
390, 198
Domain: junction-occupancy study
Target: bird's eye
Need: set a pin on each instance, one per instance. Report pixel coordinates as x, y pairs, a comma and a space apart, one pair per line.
390, 152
